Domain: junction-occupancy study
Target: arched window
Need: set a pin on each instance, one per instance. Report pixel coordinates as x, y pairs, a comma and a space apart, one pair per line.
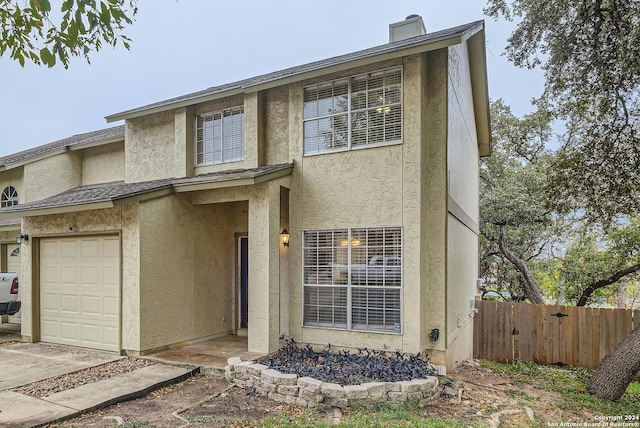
9, 197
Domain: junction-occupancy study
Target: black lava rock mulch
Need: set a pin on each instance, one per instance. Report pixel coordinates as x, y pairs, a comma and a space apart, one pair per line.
345, 368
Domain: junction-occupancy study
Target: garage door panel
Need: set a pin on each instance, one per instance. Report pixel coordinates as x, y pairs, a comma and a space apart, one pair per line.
91, 333
89, 248
69, 330
90, 306
88, 292
90, 276
68, 275
48, 249
112, 248
69, 303
68, 249
111, 306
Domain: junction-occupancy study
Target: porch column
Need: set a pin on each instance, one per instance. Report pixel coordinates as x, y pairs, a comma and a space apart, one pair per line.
264, 241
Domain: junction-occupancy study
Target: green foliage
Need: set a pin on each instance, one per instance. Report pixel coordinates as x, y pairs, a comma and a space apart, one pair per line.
590, 51
513, 206
31, 31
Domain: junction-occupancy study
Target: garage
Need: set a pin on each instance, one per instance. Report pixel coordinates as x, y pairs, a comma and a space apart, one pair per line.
80, 291
13, 265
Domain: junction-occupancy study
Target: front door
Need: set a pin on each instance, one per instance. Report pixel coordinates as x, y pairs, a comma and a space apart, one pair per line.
243, 258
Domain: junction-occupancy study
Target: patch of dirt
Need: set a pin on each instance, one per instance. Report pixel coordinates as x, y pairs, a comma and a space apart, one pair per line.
206, 400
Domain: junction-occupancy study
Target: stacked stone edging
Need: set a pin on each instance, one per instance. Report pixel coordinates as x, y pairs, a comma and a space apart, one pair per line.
307, 391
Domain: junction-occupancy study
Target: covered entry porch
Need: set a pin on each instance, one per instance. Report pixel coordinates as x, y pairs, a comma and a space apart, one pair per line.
260, 279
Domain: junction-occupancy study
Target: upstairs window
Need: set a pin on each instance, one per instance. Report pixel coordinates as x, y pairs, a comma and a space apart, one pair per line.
356, 112
9, 197
220, 137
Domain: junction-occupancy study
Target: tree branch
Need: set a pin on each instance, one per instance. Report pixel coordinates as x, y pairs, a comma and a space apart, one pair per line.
615, 277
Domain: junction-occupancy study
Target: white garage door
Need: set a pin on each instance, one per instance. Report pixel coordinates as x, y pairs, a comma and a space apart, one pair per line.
13, 265
80, 291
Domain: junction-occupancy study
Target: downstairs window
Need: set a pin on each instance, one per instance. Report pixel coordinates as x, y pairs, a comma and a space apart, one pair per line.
352, 279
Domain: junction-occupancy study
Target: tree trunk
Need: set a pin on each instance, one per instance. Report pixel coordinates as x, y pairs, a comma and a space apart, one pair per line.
532, 291
561, 293
622, 294
604, 282
616, 370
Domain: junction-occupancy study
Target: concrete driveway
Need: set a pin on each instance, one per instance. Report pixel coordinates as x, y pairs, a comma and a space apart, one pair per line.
25, 363
10, 333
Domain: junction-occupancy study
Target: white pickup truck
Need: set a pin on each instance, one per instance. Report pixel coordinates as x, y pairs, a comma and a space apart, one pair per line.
9, 303
380, 270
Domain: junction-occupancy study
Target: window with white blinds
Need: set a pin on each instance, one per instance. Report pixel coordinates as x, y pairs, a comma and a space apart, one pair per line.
220, 137
349, 113
352, 279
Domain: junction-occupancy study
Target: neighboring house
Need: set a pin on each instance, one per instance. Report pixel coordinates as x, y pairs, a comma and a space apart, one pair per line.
168, 230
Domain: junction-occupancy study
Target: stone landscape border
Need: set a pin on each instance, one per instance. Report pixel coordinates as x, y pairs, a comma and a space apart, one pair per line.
307, 391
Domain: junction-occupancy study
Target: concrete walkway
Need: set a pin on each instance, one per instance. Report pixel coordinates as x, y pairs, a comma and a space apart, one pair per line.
26, 363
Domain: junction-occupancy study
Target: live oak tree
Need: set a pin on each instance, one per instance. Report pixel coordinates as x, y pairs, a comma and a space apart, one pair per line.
34, 31
590, 52
516, 225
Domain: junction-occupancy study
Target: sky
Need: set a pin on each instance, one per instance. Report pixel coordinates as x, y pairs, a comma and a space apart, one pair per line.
189, 45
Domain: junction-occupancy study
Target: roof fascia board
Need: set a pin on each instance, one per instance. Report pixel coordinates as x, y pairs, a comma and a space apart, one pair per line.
384, 56
10, 227
480, 90
180, 188
143, 196
60, 209
59, 151
194, 186
370, 59
182, 103
23, 162
95, 143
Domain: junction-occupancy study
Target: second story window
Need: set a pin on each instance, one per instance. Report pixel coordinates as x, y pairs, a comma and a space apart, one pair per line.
220, 137
9, 197
357, 112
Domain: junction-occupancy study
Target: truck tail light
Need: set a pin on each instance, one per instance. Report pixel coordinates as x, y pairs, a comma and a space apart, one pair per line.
14, 286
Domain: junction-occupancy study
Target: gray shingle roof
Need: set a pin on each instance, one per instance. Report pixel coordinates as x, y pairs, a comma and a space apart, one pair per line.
106, 134
425, 39
106, 192
10, 221
93, 193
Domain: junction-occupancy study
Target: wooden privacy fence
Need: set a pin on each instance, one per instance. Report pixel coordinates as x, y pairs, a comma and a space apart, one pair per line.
577, 336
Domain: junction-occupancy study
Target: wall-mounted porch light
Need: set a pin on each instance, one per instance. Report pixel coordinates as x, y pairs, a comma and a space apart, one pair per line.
23, 237
284, 237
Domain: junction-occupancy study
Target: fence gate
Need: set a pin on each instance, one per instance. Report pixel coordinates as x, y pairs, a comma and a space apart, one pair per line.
576, 336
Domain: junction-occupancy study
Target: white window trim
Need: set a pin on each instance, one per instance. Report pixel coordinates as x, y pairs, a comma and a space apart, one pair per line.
349, 287
349, 112
195, 138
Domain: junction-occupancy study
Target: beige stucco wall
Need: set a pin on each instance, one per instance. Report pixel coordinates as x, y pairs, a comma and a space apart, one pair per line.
52, 175
150, 148
120, 220
103, 164
462, 230
434, 211
276, 140
186, 270
380, 186
462, 137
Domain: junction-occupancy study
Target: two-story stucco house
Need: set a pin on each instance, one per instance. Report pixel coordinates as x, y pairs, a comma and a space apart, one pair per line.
169, 229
